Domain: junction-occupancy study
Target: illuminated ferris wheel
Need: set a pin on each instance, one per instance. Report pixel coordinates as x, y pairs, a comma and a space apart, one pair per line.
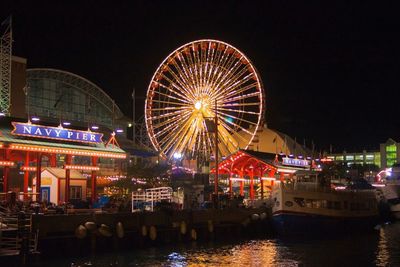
195, 82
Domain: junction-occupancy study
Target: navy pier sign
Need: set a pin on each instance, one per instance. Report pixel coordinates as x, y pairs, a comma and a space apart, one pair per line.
58, 133
295, 162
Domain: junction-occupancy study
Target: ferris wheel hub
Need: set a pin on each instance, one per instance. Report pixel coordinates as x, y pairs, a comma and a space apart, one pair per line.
198, 105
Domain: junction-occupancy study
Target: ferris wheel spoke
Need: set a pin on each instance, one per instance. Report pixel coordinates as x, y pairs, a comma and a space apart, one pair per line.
169, 102
179, 137
234, 84
171, 96
227, 138
225, 77
215, 65
180, 86
185, 76
174, 62
243, 87
213, 60
238, 111
182, 83
205, 65
165, 115
238, 126
236, 118
190, 65
172, 85
233, 79
230, 129
242, 104
198, 67
187, 70
241, 97
171, 122
230, 65
169, 108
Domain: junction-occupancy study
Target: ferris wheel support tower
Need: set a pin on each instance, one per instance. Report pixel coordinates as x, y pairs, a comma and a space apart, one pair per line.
5, 66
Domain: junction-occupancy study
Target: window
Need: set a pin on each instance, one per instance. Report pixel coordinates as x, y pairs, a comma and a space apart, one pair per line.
348, 157
75, 192
339, 157
359, 157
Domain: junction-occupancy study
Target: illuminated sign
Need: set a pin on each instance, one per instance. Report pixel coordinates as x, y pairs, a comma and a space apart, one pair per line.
58, 133
295, 162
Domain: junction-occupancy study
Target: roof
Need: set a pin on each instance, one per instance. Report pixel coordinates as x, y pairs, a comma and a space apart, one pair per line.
272, 141
60, 173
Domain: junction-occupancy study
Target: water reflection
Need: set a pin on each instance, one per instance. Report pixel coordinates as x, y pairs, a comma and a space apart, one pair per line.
372, 249
382, 257
253, 253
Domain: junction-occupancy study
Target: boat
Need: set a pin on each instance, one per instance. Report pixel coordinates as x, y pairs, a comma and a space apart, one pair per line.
301, 205
388, 183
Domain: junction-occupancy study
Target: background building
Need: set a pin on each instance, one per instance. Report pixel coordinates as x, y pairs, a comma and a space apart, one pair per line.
360, 158
386, 156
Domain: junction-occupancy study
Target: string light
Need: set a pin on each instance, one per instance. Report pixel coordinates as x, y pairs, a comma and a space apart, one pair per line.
68, 151
29, 168
6, 163
82, 167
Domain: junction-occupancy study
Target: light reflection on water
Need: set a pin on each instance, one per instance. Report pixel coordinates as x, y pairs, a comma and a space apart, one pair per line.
374, 249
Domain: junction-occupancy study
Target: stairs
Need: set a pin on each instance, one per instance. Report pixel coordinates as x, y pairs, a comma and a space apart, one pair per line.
16, 236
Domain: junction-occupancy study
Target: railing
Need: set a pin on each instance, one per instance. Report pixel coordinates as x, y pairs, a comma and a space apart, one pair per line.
151, 196
16, 235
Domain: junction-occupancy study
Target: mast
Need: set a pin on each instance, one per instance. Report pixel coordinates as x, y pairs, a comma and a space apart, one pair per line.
5, 66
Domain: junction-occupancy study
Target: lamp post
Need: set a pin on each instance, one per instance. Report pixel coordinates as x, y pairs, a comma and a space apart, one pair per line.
216, 150
133, 115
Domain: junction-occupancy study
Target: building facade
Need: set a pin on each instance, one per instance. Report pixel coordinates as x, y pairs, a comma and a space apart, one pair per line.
387, 156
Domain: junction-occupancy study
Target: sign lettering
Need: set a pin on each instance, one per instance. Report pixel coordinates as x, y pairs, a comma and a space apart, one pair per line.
40, 131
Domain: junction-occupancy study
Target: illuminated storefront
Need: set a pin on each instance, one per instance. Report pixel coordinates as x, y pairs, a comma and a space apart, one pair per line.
29, 148
259, 170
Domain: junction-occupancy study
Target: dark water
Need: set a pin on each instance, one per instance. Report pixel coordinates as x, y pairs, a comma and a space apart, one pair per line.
380, 248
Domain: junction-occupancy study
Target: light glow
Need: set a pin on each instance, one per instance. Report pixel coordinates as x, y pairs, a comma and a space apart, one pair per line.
74, 152
82, 167
198, 105
286, 170
28, 168
268, 178
6, 163
237, 179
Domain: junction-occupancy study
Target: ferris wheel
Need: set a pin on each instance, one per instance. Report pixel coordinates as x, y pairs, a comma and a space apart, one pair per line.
194, 83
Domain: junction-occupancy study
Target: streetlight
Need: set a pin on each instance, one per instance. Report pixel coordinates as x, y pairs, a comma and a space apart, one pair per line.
213, 127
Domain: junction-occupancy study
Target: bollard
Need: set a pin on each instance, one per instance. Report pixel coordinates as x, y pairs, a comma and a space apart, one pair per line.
120, 230
193, 234
80, 232
153, 233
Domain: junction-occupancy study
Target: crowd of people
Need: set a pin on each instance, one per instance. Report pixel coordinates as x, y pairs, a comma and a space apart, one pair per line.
11, 204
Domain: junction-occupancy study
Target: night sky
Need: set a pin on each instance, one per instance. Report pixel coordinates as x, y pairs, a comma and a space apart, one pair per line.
330, 70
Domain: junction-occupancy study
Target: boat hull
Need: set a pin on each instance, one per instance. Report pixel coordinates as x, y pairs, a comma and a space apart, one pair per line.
289, 223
